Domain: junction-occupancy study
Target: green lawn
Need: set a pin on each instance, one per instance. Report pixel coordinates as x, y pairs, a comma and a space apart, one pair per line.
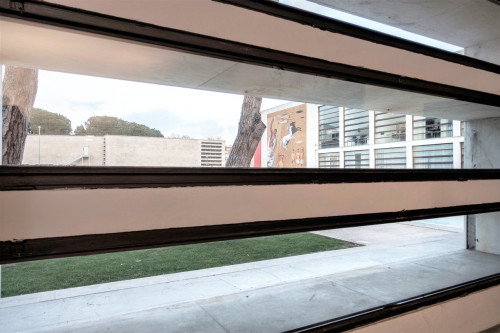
51, 274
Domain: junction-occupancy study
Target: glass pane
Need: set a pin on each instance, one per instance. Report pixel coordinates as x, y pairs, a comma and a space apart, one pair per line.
430, 128
391, 158
356, 127
357, 159
433, 156
328, 127
389, 127
329, 160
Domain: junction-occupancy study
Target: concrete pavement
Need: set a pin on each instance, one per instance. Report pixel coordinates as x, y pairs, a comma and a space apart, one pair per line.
271, 296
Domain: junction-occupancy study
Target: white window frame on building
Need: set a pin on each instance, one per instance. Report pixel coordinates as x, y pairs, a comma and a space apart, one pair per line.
399, 132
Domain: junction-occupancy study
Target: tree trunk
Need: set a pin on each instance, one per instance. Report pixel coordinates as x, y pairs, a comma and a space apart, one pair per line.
250, 131
19, 92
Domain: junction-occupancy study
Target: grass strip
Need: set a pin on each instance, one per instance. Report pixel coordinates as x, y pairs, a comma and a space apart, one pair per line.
51, 274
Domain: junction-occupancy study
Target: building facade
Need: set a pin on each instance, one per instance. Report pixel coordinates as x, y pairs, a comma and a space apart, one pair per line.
340, 137
117, 150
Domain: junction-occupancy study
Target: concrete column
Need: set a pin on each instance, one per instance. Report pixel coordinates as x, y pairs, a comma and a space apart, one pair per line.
371, 127
371, 138
341, 159
341, 127
456, 128
409, 139
341, 137
371, 161
457, 155
481, 152
470, 232
312, 137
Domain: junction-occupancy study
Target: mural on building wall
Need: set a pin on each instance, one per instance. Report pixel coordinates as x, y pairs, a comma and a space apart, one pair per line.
286, 138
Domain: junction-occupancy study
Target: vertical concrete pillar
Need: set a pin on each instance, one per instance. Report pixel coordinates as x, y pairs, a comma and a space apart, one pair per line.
371, 138
312, 137
482, 138
409, 139
457, 145
341, 138
341, 128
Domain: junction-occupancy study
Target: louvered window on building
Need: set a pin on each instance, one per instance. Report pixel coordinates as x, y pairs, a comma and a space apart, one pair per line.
328, 126
390, 158
356, 123
329, 160
389, 127
430, 128
211, 154
358, 159
433, 156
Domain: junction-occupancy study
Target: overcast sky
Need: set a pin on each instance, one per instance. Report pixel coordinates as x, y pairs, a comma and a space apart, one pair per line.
197, 113
171, 110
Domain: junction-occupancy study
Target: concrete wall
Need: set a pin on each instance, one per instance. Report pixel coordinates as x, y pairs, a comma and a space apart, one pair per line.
481, 144
114, 150
145, 151
482, 138
63, 150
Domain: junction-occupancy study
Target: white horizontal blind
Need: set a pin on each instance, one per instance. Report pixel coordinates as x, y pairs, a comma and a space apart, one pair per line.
390, 158
328, 126
389, 127
430, 128
356, 122
329, 160
433, 156
357, 159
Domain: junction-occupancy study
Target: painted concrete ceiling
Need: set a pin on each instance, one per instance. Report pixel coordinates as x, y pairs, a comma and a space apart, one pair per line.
56, 49
472, 24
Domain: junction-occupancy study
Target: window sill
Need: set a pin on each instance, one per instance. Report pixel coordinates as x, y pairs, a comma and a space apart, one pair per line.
273, 295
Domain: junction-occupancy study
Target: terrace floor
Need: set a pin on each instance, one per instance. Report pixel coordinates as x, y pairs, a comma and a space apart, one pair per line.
399, 262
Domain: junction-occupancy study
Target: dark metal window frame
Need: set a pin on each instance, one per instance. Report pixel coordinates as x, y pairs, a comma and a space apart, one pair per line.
77, 19
329, 24
23, 178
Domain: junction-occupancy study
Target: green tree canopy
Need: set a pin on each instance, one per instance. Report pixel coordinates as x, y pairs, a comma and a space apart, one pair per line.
49, 122
103, 125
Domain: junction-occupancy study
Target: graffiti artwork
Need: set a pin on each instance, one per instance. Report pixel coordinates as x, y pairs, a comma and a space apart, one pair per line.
286, 143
